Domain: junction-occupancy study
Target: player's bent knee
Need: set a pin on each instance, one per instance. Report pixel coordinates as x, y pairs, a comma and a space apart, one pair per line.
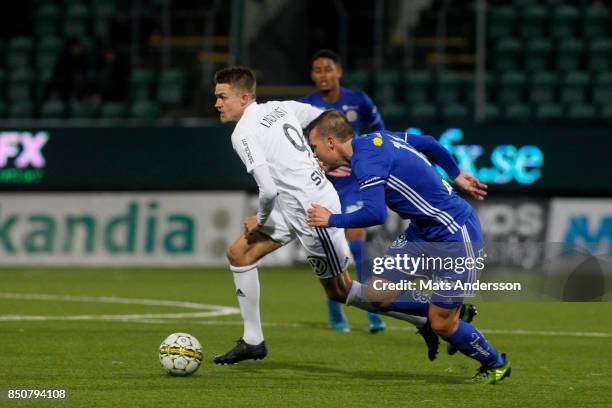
443, 326
237, 257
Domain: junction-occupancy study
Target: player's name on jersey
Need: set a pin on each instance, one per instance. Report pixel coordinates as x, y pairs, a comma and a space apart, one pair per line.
430, 285
273, 116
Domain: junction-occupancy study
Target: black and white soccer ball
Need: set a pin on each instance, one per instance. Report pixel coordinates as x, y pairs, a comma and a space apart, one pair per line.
180, 354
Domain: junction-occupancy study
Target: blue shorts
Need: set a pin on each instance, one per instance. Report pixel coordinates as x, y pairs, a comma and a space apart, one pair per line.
348, 191
448, 265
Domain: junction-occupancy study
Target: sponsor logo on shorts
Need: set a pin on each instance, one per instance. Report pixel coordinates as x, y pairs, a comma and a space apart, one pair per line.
399, 242
319, 264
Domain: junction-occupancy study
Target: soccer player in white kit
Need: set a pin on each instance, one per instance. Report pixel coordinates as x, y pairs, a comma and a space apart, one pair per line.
269, 140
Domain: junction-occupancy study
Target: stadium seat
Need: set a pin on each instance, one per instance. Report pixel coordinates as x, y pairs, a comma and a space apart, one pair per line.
20, 84
543, 87
537, 54
600, 55
501, 21
47, 51
392, 111
510, 89
581, 112
568, 54
422, 111
387, 86
606, 113
517, 111
449, 87
595, 21
140, 84
19, 52
417, 87
356, 80
2, 82
505, 55
574, 87
144, 110
602, 92
53, 109
564, 21
2, 109
42, 79
83, 110
103, 11
532, 21
549, 111
456, 111
75, 23
21, 110
170, 87
113, 111
492, 112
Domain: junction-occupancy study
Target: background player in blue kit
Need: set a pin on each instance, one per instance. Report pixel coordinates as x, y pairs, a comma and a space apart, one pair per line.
391, 173
361, 113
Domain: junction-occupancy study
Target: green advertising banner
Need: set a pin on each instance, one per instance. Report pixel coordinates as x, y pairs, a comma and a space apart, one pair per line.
527, 159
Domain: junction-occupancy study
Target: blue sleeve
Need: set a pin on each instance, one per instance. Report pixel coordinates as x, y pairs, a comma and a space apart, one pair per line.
370, 163
371, 117
436, 152
373, 211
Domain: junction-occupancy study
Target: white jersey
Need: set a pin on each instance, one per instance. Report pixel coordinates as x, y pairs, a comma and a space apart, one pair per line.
271, 133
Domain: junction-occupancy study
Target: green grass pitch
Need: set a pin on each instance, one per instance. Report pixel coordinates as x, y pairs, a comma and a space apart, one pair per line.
107, 363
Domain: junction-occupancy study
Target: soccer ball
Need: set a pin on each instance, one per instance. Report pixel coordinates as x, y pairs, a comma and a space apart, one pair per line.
180, 354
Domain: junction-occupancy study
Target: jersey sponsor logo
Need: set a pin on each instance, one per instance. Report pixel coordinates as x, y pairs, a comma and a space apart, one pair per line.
319, 265
273, 116
377, 141
247, 151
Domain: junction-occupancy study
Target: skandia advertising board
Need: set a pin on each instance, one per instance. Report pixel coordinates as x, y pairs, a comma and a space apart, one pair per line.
118, 229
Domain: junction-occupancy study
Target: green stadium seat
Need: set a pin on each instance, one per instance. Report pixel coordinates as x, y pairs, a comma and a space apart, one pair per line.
422, 111
21, 110
3, 110
470, 88
549, 111
20, 84
417, 87
595, 21
574, 88
113, 111
387, 86
510, 88
456, 111
517, 111
602, 92
537, 54
449, 87
532, 21
543, 87
506, 53
393, 111
75, 23
19, 52
77, 10
492, 112
47, 52
568, 54
564, 21
581, 112
53, 109
600, 55
42, 79
48, 12
171, 87
103, 8
144, 110
141, 81
83, 110
2, 82
501, 21
606, 113
356, 80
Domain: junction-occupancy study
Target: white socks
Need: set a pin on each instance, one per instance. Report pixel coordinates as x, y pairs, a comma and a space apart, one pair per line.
246, 280
358, 297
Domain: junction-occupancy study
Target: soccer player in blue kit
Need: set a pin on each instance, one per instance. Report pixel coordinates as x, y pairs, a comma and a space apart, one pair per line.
391, 173
361, 113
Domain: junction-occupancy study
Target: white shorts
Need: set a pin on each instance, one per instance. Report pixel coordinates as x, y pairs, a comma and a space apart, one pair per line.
326, 248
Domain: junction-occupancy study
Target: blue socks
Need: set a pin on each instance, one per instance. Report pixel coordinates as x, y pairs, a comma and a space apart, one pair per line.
472, 343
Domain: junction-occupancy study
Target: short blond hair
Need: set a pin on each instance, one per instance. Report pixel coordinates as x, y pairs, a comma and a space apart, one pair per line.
332, 123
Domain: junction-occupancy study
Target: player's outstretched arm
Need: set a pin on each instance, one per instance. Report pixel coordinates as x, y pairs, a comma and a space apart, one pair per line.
471, 186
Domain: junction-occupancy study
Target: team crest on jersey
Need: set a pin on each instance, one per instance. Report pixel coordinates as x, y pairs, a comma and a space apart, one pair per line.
377, 141
319, 264
351, 115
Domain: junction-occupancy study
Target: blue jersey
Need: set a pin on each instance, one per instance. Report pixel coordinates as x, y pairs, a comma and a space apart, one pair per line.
355, 105
412, 188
